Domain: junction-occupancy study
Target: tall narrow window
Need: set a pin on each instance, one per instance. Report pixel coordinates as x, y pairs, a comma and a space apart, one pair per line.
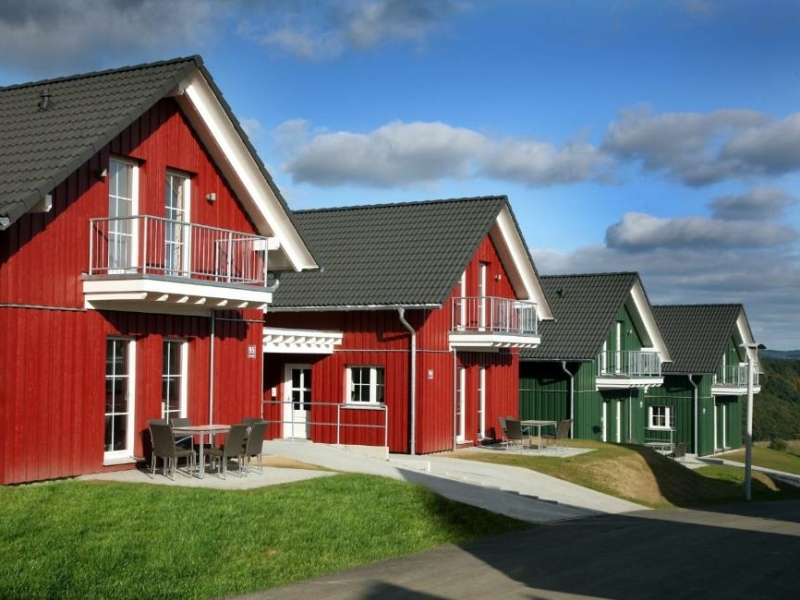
365, 385
482, 319
176, 229
481, 403
618, 348
122, 192
119, 397
462, 309
461, 401
173, 379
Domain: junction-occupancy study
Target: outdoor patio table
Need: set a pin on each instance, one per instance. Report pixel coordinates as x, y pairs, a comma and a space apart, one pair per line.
662, 447
201, 431
538, 424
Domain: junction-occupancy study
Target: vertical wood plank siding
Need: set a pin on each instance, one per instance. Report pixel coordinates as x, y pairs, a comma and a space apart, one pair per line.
377, 338
52, 379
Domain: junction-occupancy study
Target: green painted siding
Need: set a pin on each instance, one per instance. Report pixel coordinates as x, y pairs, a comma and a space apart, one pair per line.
543, 391
677, 393
588, 424
729, 415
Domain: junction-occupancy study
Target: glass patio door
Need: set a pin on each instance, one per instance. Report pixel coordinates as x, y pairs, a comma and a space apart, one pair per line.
121, 209
119, 398
176, 228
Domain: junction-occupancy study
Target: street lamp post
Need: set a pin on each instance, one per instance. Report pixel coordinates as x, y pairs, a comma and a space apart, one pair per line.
751, 350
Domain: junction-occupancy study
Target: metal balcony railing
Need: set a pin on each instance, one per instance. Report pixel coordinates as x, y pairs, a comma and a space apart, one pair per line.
734, 376
148, 245
629, 363
489, 314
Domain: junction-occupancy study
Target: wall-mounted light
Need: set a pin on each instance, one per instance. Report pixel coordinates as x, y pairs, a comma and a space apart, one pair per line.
211, 197
101, 173
498, 277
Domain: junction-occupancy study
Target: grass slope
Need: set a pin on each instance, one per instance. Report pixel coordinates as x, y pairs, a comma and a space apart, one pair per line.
641, 475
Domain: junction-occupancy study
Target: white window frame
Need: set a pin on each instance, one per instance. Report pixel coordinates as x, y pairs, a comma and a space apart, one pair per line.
373, 386
481, 403
462, 309
127, 451
185, 231
183, 390
133, 174
668, 417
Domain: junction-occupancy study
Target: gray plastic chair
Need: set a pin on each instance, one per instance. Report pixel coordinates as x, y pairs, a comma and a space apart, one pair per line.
561, 433
514, 433
184, 441
255, 444
164, 447
233, 447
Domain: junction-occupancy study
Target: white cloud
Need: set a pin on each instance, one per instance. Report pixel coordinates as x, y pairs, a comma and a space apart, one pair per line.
324, 30
637, 232
686, 146
395, 154
50, 35
422, 152
772, 148
757, 204
253, 129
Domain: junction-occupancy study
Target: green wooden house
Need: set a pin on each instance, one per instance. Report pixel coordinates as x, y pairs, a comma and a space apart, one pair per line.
704, 394
597, 359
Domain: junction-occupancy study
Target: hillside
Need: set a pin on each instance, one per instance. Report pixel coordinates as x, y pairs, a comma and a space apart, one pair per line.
776, 410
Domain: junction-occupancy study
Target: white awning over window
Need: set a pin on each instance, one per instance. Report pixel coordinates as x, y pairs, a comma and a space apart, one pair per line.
300, 341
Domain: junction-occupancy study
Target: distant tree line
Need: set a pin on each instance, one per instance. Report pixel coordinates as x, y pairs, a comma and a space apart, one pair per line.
776, 409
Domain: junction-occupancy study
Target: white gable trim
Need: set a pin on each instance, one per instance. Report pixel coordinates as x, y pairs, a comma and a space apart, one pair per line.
514, 255
743, 332
210, 120
648, 322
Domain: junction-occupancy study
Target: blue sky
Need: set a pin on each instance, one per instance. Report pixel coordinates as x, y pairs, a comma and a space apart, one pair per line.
656, 136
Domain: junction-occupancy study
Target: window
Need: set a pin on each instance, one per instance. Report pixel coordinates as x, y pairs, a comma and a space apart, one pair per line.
122, 199
119, 397
176, 211
365, 385
173, 380
661, 417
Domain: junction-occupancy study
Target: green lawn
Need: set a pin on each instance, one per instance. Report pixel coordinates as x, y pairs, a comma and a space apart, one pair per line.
92, 540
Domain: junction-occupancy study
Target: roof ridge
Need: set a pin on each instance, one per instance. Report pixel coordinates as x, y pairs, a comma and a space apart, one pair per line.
704, 305
601, 274
353, 207
196, 58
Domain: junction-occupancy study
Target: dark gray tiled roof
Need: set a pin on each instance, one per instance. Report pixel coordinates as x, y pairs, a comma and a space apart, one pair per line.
585, 307
696, 334
407, 254
40, 148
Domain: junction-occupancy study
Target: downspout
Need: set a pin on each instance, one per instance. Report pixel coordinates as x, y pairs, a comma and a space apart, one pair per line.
696, 413
571, 396
401, 312
211, 369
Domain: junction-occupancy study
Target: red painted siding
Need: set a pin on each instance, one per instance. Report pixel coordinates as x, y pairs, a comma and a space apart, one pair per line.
52, 379
377, 338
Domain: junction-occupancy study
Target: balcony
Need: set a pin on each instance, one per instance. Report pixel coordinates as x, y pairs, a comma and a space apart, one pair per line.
144, 262
481, 323
628, 369
731, 380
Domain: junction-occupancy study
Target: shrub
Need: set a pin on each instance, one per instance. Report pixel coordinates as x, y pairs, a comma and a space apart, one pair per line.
776, 443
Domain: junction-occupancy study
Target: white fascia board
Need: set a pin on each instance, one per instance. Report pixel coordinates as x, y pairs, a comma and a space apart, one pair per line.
648, 322
143, 289
210, 120
516, 260
743, 332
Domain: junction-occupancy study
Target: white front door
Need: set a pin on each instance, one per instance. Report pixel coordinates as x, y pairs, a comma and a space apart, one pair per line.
297, 401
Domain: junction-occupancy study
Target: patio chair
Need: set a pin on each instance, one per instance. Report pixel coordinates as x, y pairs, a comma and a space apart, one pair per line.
164, 447
503, 437
255, 444
679, 452
184, 441
233, 447
561, 432
514, 433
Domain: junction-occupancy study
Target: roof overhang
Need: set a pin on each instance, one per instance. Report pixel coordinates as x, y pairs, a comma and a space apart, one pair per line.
300, 341
352, 307
732, 390
221, 138
517, 261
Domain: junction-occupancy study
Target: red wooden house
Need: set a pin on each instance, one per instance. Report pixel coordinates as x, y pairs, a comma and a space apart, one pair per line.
409, 336
137, 228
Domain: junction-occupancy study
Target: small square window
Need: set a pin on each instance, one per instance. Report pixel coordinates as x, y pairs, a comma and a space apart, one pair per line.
365, 385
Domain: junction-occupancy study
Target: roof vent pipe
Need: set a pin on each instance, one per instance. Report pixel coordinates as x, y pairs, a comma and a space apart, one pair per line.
44, 100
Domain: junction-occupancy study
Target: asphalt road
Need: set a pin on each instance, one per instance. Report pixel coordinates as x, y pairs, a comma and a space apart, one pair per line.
738, 552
